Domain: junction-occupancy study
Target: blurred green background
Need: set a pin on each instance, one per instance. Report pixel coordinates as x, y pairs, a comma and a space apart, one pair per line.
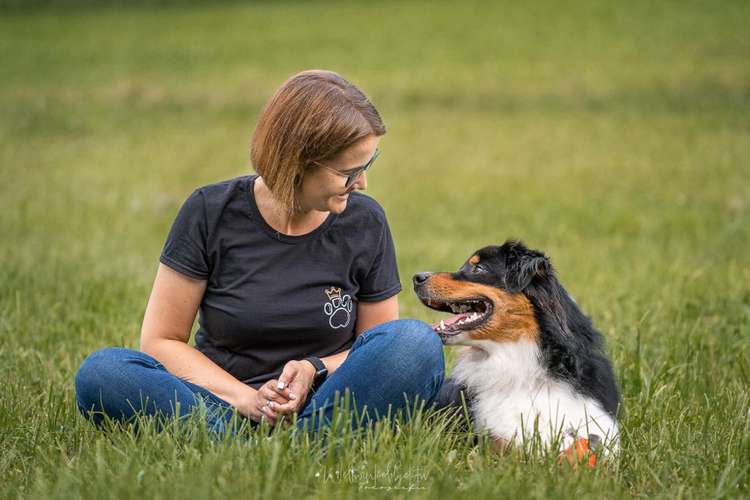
613, 136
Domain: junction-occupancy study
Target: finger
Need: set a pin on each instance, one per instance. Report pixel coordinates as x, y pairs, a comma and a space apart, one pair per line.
273, 386
276, 404
271, 395
268, 413
292, 388
299, 387
293, 405
287, 408
282, 410
287, 375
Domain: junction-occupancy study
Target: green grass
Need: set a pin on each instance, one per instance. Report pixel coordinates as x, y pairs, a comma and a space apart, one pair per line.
614, 137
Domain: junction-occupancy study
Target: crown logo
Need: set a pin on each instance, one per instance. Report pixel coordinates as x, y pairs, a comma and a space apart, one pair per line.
333, 293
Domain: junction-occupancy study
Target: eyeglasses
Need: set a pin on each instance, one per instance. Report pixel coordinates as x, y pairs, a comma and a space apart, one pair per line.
355, 172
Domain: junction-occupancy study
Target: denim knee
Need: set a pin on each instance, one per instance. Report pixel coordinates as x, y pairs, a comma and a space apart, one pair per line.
89, 377
414, 345
103, 368
417, 337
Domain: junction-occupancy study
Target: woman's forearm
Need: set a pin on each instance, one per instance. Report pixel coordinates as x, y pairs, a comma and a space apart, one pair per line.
188, 363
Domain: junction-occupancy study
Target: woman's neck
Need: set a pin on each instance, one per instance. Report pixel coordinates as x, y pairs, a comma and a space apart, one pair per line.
297, 223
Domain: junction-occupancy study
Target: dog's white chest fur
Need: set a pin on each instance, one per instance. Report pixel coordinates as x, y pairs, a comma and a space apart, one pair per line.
514, 397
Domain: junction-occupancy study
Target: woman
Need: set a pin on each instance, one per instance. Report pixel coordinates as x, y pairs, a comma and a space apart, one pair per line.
294, 272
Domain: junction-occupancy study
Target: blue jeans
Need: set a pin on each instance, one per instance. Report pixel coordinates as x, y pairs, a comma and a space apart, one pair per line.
392, 365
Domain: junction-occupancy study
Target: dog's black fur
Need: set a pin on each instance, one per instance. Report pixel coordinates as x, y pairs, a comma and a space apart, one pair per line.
572, 348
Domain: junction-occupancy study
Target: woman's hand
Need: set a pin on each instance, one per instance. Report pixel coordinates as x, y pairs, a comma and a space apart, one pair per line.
263, 403
296, 377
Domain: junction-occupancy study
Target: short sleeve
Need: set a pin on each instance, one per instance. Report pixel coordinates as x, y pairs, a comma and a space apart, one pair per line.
185, 248
382, 280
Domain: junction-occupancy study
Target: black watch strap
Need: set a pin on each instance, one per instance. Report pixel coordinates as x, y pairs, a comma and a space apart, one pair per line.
321, 372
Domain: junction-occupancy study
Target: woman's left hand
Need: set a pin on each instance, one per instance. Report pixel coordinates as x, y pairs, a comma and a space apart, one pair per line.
298, 377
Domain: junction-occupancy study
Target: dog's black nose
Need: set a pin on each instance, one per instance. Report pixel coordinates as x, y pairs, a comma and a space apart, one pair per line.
420, 278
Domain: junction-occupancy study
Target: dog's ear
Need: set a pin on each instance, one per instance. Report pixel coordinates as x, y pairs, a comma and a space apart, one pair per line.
521, 269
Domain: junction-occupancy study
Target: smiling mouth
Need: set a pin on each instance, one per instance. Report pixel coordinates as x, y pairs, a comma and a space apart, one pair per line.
469, 314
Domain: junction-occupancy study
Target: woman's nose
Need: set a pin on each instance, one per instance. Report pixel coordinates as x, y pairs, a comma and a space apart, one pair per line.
361, 182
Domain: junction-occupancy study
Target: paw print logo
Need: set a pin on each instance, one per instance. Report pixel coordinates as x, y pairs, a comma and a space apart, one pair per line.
338, 308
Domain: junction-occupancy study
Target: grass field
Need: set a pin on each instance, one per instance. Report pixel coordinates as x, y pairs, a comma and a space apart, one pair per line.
614, 137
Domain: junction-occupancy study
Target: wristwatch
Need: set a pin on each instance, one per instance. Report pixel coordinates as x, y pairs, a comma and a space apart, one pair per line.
321, 372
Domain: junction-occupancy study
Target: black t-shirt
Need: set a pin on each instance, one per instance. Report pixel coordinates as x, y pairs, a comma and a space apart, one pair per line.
270, 297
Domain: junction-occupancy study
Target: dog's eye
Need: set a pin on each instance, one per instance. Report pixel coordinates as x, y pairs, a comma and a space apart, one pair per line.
478, 269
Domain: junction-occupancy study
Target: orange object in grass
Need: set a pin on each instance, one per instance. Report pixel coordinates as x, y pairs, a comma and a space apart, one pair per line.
580, 452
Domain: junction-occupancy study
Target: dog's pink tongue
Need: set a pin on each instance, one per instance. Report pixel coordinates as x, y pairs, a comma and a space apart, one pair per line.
452, 320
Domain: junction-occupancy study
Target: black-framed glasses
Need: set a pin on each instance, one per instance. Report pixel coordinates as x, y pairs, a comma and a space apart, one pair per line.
355, 172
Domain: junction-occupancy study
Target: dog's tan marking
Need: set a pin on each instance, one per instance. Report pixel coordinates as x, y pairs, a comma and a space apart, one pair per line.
474, 260
512, 316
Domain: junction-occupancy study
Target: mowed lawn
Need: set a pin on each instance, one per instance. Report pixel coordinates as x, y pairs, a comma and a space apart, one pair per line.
614, 137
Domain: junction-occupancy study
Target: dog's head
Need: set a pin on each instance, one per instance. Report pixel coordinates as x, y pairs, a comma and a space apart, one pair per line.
487, 295
509, 293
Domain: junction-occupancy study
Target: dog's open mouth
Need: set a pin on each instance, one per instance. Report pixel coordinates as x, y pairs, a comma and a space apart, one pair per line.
468, 314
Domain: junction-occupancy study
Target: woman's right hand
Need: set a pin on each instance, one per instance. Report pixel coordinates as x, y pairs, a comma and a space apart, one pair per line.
260, 405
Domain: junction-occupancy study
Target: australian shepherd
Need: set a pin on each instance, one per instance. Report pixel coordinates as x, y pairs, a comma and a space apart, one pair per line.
534, 366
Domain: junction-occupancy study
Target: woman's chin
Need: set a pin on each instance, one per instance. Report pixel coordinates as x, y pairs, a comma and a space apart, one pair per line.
338, 203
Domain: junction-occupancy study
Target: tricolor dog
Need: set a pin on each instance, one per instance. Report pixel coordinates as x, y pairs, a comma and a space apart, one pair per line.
534, 366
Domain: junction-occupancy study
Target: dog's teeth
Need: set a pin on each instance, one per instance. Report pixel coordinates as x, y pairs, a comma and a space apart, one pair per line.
442, 324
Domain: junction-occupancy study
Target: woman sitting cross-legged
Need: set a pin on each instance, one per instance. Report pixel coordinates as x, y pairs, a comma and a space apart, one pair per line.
294, 273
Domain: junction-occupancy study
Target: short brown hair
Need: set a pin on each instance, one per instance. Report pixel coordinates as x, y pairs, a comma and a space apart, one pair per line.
311, 118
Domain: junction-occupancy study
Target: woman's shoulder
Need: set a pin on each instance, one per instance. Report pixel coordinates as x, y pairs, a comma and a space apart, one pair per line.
225, 187
221, 195
208, 205
362, 206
